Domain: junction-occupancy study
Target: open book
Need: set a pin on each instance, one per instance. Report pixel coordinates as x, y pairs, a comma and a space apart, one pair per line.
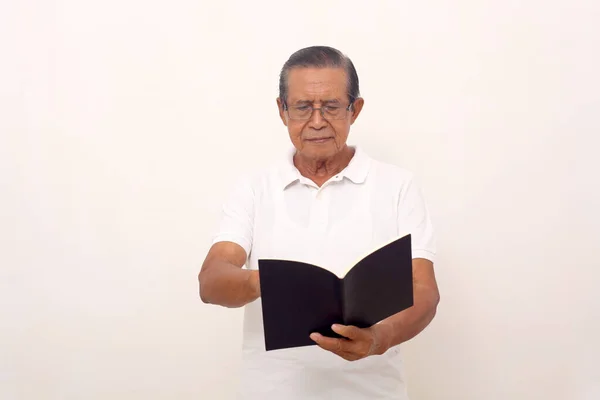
299, 298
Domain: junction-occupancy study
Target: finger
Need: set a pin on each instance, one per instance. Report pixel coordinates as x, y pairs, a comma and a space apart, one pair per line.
331, 344
360, 342
349, 331
347, 349
349, 356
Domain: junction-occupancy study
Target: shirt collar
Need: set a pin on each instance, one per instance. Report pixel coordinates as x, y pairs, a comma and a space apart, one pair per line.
356, 171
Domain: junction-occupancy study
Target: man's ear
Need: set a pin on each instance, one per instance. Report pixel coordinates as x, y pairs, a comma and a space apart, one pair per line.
281, 111
357, 108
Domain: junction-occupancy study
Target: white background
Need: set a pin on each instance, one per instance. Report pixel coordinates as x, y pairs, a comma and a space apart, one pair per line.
124, 122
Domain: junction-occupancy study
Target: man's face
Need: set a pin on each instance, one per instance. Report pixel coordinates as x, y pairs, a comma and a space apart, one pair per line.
317, 137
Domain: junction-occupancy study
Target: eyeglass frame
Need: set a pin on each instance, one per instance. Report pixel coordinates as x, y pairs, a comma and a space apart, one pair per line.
286, 109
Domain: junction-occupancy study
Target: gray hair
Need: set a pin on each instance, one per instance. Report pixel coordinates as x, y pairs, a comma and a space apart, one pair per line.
319, 57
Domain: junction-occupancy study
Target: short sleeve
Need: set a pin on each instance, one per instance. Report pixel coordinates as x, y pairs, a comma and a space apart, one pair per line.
236, 222
414, 218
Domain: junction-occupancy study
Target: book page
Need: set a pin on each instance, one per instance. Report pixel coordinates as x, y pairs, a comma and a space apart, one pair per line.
359, 259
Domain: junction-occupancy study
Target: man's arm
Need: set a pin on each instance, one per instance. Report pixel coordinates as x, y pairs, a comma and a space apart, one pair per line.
398, 328
413, 217
222, 279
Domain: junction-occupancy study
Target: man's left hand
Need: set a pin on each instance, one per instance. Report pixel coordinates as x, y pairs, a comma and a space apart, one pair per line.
356, 343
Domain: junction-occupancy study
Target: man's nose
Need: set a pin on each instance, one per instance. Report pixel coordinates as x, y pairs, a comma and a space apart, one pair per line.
316, 119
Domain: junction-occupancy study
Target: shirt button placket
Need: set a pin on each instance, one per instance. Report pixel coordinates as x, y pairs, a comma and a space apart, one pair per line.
321, 211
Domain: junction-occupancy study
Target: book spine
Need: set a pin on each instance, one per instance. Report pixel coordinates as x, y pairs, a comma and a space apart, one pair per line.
342, 297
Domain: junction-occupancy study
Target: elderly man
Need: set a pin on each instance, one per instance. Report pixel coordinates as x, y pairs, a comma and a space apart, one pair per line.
325, 203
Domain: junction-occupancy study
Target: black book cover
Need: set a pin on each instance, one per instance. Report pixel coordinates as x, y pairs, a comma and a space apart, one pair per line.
299, 298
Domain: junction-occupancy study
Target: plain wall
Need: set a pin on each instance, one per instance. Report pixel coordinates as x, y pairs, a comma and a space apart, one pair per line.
124, 123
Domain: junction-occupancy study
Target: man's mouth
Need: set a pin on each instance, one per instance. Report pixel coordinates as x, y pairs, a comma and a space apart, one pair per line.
319, 139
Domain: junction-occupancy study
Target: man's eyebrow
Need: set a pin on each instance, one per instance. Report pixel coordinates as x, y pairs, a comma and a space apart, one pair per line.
329, 101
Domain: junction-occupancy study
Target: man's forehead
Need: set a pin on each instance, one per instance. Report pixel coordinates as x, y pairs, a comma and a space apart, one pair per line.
304, 82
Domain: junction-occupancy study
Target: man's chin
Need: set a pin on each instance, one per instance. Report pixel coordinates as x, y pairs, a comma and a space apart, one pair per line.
320, 151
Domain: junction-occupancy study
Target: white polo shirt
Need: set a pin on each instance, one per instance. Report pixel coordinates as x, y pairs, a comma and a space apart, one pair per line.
278, 213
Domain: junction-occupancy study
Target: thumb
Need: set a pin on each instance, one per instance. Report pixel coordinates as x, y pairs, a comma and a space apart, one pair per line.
349, 331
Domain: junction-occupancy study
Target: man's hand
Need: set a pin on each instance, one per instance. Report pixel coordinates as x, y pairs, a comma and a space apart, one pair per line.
357, 343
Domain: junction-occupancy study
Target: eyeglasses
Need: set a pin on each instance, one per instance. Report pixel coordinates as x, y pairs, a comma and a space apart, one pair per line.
305, 111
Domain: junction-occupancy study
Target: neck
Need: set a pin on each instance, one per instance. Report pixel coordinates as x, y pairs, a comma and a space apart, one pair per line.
321, 170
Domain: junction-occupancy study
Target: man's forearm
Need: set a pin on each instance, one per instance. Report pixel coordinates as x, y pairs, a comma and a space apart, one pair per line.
228, 285
407, 324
